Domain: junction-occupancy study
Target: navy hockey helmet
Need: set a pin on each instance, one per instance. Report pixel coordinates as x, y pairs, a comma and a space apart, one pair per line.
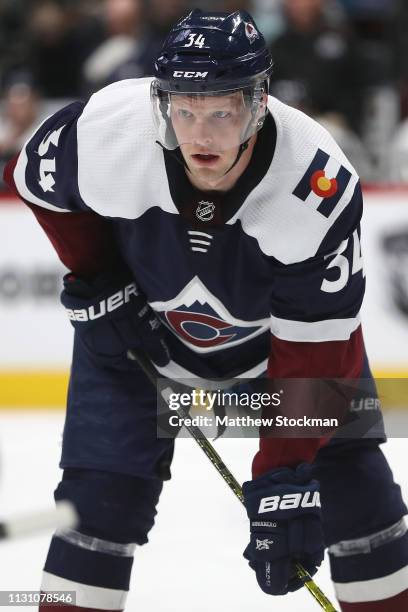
212, 54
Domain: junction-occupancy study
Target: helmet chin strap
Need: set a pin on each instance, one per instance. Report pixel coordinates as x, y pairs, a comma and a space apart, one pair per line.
175, 153
242, 147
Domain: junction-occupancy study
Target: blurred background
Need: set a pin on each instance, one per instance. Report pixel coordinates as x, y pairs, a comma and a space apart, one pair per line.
345, 62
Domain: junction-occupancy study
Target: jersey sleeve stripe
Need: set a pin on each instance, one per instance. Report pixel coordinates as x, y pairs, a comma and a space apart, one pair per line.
317, 331
174, 370
87, 595
373, 590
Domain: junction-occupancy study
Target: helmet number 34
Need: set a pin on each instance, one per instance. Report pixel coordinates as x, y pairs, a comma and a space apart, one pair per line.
195, 40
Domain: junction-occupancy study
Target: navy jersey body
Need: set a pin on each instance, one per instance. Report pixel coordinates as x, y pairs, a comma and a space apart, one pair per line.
269, 273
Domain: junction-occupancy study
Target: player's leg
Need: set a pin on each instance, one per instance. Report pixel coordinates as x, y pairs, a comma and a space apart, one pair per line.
364, 527
114, 467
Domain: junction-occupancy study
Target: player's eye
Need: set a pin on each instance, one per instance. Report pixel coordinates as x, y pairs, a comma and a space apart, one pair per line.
222, 114
183, 113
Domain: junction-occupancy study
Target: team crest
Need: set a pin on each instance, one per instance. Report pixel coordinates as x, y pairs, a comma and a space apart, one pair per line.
205, 211
201, 321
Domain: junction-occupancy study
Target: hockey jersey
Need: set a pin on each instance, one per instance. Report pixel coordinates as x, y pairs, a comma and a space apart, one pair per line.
267, 273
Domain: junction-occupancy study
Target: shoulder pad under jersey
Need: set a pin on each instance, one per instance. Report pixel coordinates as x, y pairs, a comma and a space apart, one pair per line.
309, 199
101, 156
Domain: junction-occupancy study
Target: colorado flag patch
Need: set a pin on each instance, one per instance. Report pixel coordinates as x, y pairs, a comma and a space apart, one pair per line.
324, 181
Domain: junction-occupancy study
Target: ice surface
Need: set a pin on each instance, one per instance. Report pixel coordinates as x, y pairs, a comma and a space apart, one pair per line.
193, 562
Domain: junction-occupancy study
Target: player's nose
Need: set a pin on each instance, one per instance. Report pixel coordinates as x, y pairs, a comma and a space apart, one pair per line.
202, 134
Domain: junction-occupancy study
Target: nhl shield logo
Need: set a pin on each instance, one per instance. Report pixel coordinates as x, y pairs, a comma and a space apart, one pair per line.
205, 211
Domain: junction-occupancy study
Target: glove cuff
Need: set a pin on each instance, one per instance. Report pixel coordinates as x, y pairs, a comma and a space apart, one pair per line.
91, 288
281, 475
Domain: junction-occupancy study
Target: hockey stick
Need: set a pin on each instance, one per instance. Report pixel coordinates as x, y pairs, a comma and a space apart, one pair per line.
62, 517
206, 446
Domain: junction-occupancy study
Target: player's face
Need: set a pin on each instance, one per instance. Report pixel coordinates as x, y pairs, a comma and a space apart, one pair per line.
209, 130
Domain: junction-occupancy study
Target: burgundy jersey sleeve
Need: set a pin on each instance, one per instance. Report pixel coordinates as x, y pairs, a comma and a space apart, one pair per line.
315, 324
333, 359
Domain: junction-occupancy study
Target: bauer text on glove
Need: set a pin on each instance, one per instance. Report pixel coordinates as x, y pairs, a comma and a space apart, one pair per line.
284, 510
112, 316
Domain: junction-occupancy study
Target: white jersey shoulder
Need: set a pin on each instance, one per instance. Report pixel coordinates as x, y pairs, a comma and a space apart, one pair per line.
121, 169
308, 185
122, 174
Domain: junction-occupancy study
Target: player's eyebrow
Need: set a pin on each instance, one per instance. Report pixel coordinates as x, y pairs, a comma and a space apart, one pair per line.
231, 101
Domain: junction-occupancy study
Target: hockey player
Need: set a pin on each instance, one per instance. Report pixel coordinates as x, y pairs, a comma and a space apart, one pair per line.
223, 227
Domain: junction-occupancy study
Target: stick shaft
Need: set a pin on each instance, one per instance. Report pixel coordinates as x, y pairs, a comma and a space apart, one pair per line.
227, 475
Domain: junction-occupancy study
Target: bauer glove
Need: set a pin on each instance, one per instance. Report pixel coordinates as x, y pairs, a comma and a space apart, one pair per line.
112, 316
284, 510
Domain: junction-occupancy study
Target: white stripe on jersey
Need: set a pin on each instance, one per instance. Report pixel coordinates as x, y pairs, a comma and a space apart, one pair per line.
175, 371
373, 590
318, 331
86, 596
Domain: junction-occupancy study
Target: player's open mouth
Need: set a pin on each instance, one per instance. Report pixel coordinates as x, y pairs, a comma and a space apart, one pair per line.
205, 158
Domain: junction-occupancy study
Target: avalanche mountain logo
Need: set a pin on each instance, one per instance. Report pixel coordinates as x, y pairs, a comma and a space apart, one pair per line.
203, 323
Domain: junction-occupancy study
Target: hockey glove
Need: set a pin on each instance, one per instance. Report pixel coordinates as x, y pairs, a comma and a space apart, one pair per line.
284, 510
112, 316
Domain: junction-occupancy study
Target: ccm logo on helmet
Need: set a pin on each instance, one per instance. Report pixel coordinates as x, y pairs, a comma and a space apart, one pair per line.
189, 74
289, 501
112, 303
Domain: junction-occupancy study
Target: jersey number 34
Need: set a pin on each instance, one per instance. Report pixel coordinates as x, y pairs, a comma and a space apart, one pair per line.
341, 262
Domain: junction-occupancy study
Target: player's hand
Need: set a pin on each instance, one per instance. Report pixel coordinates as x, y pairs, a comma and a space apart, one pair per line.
284, 510
112, 316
